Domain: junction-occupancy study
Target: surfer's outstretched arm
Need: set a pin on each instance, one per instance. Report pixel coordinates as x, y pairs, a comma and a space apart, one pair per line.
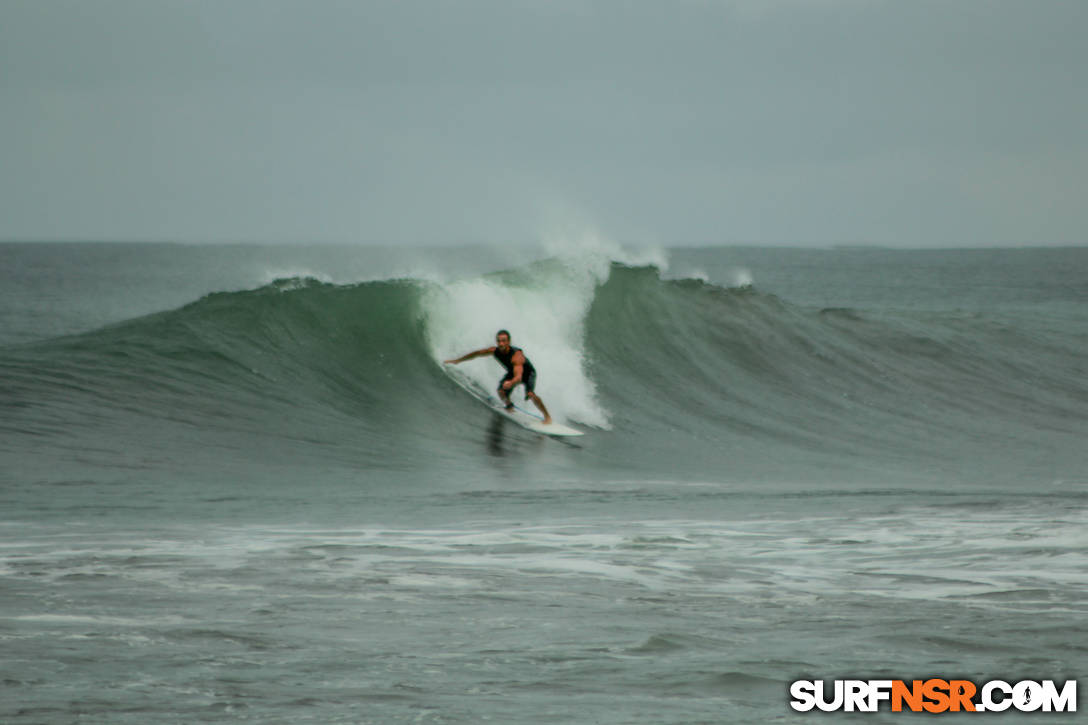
468, 356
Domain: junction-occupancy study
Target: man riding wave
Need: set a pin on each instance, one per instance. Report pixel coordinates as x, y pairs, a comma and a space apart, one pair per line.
519, 371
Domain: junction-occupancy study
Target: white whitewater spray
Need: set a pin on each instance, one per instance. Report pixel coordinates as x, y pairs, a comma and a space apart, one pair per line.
740, 277
544, 306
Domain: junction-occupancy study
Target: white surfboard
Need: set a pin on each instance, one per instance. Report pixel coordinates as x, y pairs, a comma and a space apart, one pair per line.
522, 417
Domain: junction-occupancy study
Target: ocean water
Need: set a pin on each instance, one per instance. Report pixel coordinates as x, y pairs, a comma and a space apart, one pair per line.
236, 485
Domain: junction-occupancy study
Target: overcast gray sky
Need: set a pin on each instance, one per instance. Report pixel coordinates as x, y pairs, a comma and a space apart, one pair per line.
909, 123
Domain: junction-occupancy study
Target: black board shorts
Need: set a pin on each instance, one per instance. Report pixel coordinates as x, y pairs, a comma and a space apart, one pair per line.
528, 378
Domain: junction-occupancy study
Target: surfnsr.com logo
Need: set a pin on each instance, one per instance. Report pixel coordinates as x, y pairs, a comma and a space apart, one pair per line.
933, 695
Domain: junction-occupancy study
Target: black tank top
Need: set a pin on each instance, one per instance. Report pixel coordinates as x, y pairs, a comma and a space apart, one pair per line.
507, 361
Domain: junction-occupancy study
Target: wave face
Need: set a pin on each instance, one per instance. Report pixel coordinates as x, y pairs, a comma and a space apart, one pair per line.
677, 377
745, 370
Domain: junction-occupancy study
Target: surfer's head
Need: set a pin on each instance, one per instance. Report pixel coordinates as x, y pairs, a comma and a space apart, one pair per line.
502, 339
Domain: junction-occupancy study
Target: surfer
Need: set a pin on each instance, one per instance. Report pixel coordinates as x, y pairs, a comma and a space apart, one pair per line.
518, 370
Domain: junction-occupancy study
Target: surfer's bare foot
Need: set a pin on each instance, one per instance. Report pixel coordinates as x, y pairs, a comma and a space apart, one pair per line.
547, 420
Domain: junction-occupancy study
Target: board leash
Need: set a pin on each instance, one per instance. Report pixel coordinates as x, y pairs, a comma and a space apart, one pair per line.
517, 407
538, 416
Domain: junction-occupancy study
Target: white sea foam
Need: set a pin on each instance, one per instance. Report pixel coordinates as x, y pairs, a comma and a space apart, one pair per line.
740, 277
545, 312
